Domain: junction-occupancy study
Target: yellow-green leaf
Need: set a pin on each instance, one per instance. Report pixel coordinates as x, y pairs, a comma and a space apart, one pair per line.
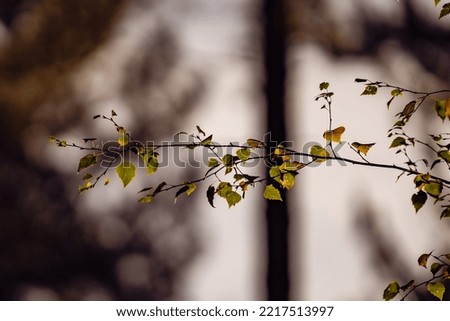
334, 135
398, 141
191, 188
288, 181
146, 199
370, 90
151, 163
275, 173
87, 177
433, 189
223, 189
391, 291
227, 160
106, 182
291, 166
272, 193
207, 140
437, 289
442, 108
87, 161
83, 188
363, 148
319, 151
232, 198
445, 155
254, 143
123, 139
212, 162
126, 172
423, 259
243, 154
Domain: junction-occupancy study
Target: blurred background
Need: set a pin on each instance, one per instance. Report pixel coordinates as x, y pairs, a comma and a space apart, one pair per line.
229, 66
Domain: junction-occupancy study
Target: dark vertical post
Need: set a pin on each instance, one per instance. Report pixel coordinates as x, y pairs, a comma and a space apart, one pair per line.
274, 51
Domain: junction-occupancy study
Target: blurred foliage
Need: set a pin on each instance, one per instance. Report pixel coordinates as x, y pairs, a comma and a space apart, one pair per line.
48, 250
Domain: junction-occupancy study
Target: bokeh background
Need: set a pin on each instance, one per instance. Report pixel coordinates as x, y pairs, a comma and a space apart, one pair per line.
167, 66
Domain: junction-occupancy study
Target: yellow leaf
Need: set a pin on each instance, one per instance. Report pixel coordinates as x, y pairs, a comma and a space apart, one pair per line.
362, 148
334, 135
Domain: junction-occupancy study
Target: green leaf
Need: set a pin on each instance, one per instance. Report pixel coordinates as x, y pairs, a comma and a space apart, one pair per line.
288, 181
324, 85
272, 193
87, 177
398, 141
232, 198
445, 10
146, 199
435, 267
318, 150
396, 92
362, 148
210, 195
407, 285
227, 160
207, 140
212, 162
200, 131
445, 213
391, 291
419, 200
409, 109
334, 135
87, 161
445, 155
243, 154
437, 289
151, 162
423, 259
126, 172
433, 189
370, 90
223, 189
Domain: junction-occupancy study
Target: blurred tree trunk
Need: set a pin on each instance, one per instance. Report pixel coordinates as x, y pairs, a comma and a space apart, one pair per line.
274, 51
